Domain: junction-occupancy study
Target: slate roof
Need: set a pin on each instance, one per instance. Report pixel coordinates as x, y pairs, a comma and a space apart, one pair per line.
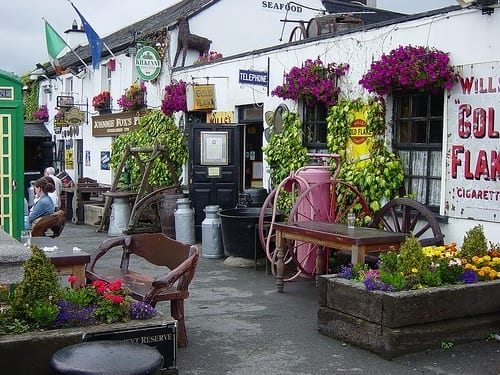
120, 40
36, 130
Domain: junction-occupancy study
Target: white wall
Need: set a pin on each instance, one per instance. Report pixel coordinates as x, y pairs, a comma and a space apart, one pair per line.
457, 33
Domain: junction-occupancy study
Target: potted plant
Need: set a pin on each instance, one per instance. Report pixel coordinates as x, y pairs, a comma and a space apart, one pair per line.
41, 113
174, 99
312, 82
410, 68
415, 299
134, 97
102, 102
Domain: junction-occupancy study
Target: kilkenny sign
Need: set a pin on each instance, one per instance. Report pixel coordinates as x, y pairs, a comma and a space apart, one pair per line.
148, 63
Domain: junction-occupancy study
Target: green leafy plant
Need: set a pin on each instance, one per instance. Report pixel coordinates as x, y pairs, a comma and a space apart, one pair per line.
285, 152
155, 128
380, 175
39, 302
474, 243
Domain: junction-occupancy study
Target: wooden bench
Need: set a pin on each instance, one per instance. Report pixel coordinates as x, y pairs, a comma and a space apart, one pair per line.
180, 260
51, 225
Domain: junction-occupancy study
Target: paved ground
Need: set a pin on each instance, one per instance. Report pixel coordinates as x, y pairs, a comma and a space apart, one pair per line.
238, 324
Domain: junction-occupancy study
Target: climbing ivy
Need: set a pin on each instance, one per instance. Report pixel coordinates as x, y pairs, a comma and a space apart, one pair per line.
155, 128
381, 175
285, 151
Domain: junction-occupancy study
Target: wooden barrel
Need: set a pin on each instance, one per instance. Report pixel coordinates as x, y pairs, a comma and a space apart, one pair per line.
331, 23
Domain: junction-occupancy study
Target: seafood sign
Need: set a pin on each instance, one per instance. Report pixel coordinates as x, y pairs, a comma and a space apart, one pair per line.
473, 154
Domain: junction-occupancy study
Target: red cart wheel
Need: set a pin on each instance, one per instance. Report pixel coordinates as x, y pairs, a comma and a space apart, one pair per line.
285, 194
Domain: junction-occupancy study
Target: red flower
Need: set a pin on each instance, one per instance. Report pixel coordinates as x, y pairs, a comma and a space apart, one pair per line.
115, 285
112, 297
71, 279
100, 286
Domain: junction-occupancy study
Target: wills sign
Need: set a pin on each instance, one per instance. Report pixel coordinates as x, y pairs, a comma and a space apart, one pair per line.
473, 147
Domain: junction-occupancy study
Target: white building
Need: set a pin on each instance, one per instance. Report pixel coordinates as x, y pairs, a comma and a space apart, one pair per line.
253, 39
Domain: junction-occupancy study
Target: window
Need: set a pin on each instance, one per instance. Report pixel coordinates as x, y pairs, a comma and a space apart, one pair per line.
418, 138
315, 128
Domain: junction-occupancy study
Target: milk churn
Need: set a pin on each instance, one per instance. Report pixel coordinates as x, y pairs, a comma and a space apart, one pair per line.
184, 221
211, 233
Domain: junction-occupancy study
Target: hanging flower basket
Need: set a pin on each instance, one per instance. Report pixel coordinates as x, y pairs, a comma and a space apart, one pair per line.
312, 82
42, 113
174, 99
102, 102
410, 68
134, 97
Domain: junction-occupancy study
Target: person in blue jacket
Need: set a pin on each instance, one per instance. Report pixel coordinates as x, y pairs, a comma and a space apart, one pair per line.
44, 205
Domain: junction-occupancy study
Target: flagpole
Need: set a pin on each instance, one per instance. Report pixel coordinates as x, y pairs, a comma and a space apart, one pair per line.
67, 45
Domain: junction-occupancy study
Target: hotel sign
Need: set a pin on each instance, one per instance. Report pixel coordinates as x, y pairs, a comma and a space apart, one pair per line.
115, 124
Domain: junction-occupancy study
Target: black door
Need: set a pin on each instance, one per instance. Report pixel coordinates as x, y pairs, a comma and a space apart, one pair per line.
215, 163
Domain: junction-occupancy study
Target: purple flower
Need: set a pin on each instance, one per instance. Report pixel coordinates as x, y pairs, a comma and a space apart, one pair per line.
74, 315
469, 277
345, 272
409, 68
142, 310
175, 98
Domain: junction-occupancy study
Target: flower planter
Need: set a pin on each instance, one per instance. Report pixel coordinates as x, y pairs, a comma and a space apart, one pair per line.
30, 353
392, 324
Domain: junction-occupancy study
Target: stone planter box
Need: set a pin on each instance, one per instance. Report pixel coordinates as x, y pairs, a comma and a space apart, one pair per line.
30, 353
392, 324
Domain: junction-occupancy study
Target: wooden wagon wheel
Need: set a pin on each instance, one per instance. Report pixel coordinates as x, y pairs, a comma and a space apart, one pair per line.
298, 33
328, 201
146, 211
404, 215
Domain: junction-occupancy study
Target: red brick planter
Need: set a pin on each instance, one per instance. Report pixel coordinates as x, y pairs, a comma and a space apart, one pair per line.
391, 324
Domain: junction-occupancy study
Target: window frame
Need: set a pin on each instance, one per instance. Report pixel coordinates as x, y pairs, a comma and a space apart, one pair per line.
414, 146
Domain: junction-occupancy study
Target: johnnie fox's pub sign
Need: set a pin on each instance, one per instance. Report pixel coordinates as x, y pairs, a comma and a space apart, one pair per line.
473, 148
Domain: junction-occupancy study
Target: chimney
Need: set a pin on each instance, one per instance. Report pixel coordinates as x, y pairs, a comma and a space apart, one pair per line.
76, 35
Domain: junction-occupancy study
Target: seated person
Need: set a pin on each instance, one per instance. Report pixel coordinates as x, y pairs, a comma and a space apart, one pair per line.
44, 205
53, 195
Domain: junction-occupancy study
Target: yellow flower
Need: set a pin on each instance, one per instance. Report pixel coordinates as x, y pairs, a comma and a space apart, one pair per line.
486, 269
487, 258
493, 274
480, 273
414, 270
468, 266
475, 259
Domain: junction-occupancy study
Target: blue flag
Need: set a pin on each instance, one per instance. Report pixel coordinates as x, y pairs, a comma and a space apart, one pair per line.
95, 42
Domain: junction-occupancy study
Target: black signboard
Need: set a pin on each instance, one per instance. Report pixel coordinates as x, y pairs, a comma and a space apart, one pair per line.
162, 336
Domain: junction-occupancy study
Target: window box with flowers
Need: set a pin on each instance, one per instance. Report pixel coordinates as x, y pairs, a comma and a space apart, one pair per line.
410, 68
102, 102
208, 57
41, 113
174, 99
312, 82
134, 98
415, 300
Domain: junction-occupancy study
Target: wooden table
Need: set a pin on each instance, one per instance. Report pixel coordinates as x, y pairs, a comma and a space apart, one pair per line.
359, 241
66, 260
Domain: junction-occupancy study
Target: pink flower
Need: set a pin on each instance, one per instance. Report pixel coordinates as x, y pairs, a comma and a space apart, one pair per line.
410, 68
